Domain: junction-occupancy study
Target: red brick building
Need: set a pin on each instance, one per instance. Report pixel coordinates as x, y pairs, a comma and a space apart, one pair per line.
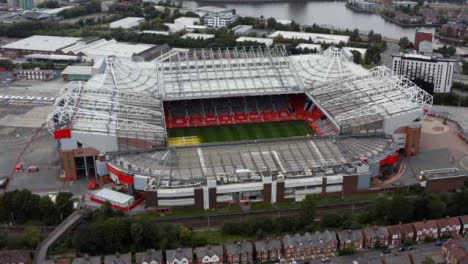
268, 250
350, 239
421, 36
240, 252
449, 227
397, 234
455, 252
374, 235
426, 229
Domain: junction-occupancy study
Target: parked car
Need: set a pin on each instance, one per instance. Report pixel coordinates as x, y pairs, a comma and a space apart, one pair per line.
438, 243
325, 260
3, 182
387, 251
401, 249
409, 248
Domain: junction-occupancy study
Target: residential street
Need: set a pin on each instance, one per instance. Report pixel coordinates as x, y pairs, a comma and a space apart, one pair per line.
375, 256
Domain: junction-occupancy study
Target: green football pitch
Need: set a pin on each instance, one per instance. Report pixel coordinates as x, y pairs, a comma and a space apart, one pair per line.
243, 132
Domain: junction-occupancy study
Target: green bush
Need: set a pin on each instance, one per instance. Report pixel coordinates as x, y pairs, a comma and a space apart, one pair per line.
347, 251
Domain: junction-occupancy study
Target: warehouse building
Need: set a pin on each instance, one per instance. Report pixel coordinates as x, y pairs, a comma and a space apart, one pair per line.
37, 45
127, 23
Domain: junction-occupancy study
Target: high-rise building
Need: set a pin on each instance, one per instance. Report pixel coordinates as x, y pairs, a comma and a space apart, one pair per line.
433, 74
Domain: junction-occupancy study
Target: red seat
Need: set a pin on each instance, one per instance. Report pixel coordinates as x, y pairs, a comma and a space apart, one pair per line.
269, 116
225, 119
179, 121
284, 115
196, 121
211, 120
241, 118
255, 117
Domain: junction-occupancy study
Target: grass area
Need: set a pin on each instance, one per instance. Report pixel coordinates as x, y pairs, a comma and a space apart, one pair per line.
214, 237
244, 132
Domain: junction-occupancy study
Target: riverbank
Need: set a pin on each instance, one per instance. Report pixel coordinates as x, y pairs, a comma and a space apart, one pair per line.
453, 41
332, 13
389, 19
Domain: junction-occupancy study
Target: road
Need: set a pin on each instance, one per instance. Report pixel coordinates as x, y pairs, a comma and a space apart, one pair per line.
375, 256
41, 251
392, 48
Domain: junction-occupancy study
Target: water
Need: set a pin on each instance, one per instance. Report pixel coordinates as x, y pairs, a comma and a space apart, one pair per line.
323, 13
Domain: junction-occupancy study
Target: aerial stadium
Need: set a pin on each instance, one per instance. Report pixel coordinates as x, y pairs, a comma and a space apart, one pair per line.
205, 128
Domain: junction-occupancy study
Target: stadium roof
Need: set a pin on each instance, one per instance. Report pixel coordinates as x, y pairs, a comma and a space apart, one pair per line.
230, 72
127, 97
330, 65
288, 158
108, 106
370, 97
42, 43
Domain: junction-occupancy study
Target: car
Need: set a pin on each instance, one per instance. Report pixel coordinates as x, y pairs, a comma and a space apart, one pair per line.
438, 243
325, 260
409, 248
387, 251
3, 182
401, 249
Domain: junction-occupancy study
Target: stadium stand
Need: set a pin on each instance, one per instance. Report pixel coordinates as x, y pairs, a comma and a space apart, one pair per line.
245, 110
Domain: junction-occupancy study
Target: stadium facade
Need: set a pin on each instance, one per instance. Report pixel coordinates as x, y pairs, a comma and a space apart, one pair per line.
115, 124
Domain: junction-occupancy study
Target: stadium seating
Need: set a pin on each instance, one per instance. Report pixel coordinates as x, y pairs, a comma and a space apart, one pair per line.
244, 110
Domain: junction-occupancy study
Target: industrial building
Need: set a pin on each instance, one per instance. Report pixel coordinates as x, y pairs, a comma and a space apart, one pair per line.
265, 41
70, 49
37, 44
216, 17
115, 124
127, 23
433, 74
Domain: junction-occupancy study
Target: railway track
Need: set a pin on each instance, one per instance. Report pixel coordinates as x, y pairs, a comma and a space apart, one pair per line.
211, 221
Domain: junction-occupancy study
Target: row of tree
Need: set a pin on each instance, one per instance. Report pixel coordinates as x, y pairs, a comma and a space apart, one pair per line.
108, 231
92, 7
382, 211
20, 207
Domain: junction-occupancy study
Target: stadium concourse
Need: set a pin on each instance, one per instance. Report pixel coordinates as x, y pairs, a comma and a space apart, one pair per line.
118, 123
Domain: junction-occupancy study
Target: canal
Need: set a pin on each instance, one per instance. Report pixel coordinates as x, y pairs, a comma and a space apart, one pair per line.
322, 13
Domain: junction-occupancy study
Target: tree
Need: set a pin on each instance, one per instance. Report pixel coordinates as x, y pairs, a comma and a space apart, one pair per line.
64, 204
308, 209
48, 211
436, 208
271, 23
405, 44
465, 67
136, 231
49, 4
428, 260
356, 56
355, 36
331, 221
400, 210
32, 237
378, 210
185, 235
